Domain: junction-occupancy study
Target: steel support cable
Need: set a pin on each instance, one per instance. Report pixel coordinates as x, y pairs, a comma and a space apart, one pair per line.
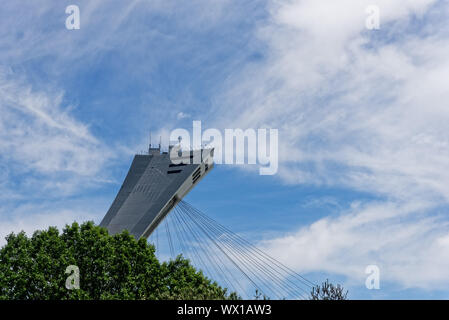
221, 274
229, 283
195, 251
177, 233
170, 244
182, 236
279, 264
200, 242
168, 235
227, 255
212, 262
291, 284
187, 221
237, 254
282, 289
157, 239
259, 263
284, 285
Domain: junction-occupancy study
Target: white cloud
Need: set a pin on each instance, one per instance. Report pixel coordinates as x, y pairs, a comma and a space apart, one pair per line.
38, 136
376, 111
410, 248
363, 110
352, 110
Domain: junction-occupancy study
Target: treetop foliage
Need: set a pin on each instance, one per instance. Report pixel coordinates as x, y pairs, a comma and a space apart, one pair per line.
110, 267
328, 291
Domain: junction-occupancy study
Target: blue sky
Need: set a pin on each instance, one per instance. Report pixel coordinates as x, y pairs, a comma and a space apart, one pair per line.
362, 118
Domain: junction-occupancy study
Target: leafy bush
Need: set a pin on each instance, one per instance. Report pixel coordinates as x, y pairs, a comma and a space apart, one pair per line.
111, 267
328, 291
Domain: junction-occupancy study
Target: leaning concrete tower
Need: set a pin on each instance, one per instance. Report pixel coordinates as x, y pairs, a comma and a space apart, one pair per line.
153, 186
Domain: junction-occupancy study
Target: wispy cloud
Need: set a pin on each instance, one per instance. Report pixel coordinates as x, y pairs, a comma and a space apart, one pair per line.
377, 114
38, 136
410, 247
366, 110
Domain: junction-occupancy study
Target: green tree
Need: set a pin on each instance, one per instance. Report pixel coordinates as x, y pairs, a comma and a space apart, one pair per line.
111, 267
328, 291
